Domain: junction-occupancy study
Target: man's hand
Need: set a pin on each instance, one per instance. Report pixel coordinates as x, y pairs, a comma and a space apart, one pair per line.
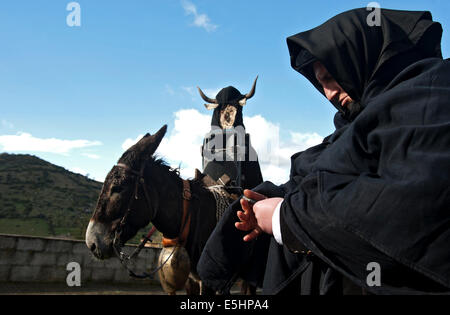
256, 218
247, 216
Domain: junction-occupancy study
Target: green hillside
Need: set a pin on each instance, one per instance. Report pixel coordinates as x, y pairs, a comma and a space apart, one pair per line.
38, 198
41, 199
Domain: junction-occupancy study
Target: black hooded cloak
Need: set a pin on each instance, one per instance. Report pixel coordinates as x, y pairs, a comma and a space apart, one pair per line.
377, 189
250, 171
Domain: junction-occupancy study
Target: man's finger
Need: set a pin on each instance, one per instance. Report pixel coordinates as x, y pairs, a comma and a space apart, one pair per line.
254, 195
242, 216
243, 226
245, 205
252, 235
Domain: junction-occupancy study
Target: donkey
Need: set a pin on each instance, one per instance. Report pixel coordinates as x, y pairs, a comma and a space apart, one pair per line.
141, 189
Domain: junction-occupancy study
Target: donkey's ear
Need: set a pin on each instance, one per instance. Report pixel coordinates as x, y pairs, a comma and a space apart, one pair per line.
198, 174
149, 143
157, 137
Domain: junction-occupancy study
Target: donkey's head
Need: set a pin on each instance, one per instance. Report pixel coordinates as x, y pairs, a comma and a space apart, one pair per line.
124, 206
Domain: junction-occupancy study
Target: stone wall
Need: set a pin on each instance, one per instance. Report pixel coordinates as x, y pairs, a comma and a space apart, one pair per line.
44, 260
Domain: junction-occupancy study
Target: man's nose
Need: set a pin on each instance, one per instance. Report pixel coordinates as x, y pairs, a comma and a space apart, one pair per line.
331, 93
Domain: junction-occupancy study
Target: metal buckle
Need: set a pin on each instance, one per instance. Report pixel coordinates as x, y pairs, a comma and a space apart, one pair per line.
187, 194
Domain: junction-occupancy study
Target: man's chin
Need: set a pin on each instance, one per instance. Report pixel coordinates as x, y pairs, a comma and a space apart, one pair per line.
352, 109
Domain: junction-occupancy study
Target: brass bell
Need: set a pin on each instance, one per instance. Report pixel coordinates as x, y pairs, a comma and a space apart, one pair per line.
175, 270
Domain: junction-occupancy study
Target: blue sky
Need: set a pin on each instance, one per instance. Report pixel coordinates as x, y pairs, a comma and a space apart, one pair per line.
76, 95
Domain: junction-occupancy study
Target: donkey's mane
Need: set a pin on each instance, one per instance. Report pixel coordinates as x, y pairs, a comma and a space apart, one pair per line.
129, 158
174, 171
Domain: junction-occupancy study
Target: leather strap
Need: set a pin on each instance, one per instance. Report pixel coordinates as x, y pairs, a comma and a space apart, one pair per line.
185, 220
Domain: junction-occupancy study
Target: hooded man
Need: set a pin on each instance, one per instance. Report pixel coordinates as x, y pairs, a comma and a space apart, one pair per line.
375, 195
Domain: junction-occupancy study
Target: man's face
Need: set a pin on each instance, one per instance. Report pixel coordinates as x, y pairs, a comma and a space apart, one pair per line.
333, 91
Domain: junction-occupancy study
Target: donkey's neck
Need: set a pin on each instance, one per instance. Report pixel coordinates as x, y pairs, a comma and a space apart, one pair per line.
167, 187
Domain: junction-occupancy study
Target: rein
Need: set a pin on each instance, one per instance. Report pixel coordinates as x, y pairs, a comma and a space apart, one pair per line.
179, 241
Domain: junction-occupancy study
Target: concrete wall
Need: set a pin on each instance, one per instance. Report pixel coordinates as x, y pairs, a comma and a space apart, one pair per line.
44, 260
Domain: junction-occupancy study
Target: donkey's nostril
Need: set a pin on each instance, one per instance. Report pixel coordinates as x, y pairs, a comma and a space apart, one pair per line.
92, 248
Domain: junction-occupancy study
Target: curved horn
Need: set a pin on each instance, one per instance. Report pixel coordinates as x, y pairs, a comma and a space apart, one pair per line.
206, 98
252, 92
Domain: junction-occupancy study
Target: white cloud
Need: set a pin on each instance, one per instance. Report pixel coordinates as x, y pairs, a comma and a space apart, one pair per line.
78, 170
274, 154
304, 141
264, 137
130, 142
183, 145
200, 20
276, 174
91, 156
26, 142
7, 124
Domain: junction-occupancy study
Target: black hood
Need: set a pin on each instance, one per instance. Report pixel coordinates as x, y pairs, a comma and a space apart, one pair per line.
229, 96
363, 59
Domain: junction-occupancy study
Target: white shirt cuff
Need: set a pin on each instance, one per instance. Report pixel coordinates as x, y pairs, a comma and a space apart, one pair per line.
276, 228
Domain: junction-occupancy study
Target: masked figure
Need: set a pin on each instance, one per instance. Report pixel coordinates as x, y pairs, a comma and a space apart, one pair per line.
228, 156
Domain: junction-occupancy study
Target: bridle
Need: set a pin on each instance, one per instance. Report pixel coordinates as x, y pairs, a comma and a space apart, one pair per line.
179, 241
